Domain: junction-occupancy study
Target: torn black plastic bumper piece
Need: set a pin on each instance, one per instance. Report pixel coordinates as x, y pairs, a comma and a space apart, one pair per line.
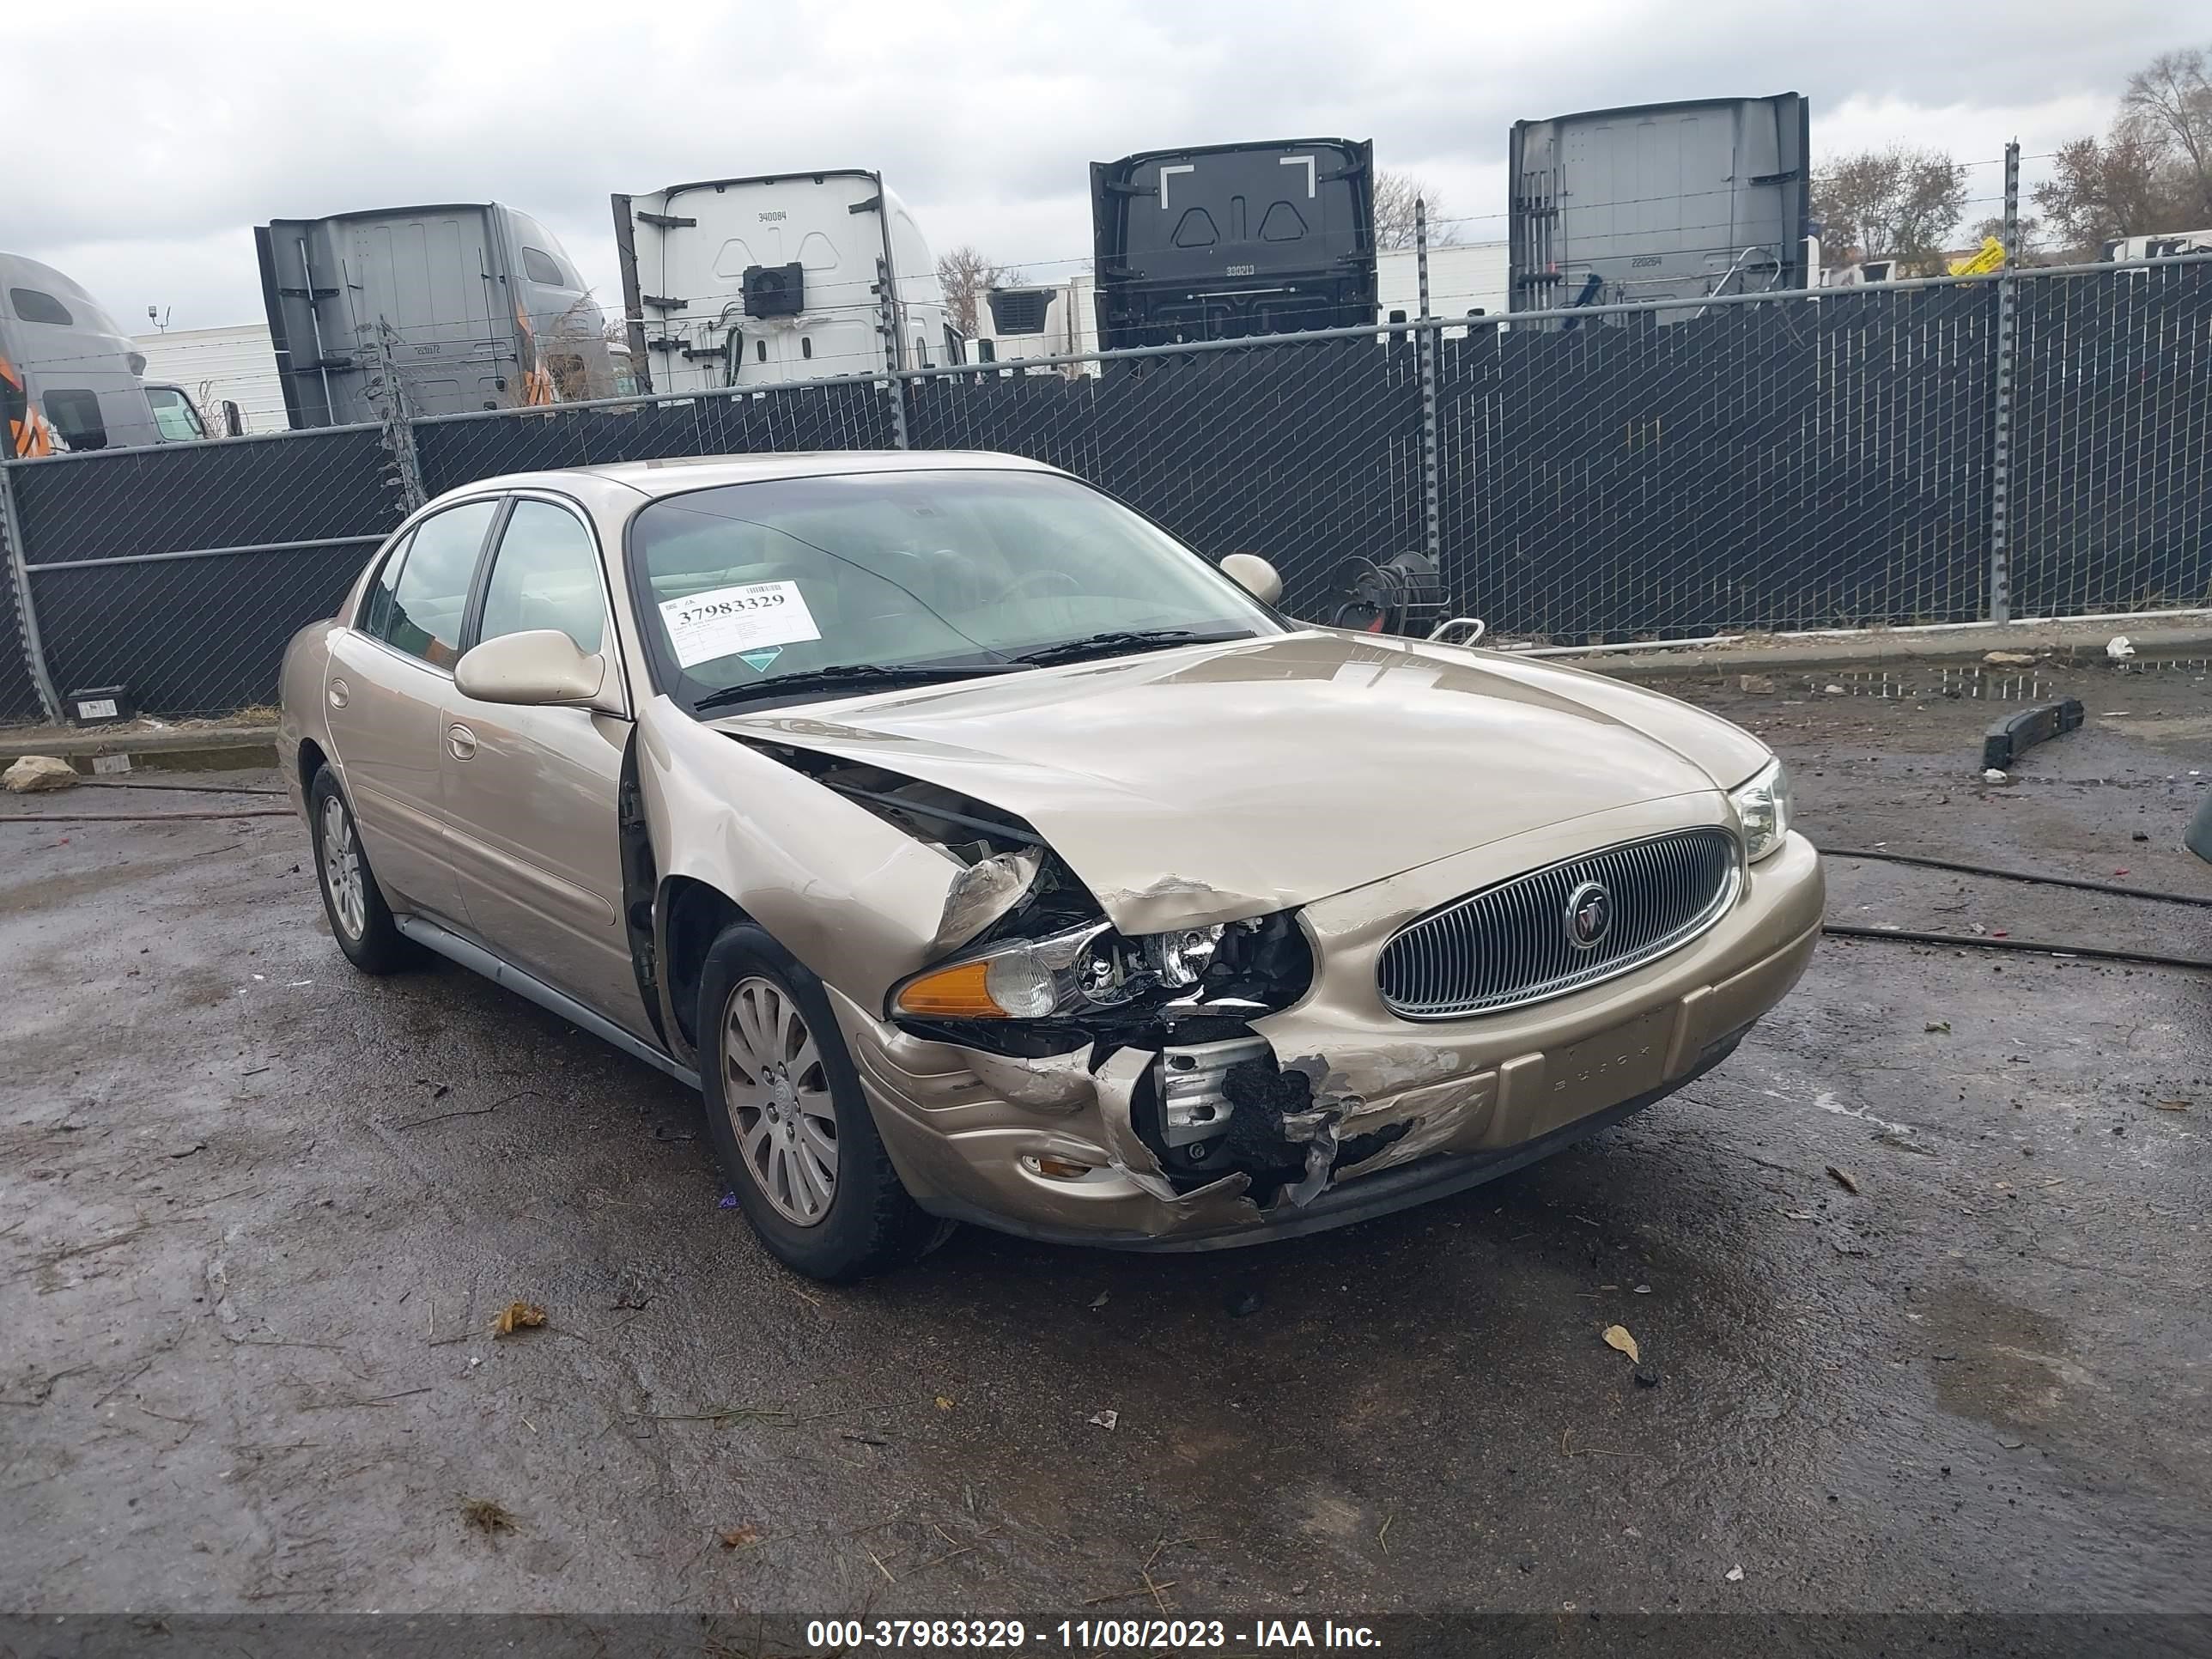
2014, 735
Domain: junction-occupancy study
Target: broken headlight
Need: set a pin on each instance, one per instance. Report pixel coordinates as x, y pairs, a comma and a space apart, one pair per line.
1762, 806
1066, 973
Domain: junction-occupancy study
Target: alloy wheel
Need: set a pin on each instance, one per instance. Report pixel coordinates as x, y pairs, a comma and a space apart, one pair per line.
778, 1093
342, 877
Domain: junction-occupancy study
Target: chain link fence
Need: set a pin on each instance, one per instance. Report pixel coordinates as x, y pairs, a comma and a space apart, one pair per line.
1942, 452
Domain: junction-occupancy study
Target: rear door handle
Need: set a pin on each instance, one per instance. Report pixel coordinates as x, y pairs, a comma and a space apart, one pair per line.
461, 741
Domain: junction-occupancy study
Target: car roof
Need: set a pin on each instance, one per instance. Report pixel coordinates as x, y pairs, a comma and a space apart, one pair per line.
679, 473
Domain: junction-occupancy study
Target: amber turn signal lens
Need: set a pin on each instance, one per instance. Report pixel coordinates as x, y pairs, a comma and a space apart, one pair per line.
1058, 1167
954, 993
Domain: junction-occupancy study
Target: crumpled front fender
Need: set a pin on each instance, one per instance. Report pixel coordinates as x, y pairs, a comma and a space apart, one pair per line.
855, 899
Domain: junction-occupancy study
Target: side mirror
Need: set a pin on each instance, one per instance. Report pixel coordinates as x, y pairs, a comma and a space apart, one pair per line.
540, 666
234, 423
1254, 575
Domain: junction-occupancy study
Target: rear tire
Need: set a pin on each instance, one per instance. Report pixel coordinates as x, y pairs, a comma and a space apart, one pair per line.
360, 920
793, 1131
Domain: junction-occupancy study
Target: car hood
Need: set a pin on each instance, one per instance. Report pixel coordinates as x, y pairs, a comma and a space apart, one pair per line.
1216, 781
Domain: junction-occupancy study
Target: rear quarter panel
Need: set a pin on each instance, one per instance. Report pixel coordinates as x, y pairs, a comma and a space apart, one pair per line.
300, 714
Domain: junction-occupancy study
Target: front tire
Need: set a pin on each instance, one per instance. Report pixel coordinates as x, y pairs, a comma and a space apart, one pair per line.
360, 920
789, 1122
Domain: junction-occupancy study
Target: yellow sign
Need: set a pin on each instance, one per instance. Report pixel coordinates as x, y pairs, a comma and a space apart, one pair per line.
1991, 257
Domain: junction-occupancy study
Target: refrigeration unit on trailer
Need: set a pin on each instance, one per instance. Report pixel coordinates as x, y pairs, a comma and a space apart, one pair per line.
787, 277
1037, 319
474, 306
1659, 201
69, 378
1227, 240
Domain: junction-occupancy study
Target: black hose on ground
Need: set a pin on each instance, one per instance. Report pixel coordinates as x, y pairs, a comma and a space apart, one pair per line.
1983, 942
2019, 875
143, 817
177, 788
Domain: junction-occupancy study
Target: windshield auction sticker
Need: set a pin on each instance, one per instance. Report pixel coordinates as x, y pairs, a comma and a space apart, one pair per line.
726, 621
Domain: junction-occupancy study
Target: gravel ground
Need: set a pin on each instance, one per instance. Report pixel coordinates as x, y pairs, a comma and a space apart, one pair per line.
1921, 1270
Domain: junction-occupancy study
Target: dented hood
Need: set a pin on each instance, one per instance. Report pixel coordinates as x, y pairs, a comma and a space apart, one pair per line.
1218, 781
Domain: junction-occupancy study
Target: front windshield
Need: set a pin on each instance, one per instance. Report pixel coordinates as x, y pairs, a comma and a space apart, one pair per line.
742, 586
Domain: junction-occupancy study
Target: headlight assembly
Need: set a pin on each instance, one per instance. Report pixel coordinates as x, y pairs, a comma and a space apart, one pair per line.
1064, 975
1762, 806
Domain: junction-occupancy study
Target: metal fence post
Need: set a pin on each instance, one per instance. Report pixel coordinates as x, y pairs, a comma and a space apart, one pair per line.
26, 614
2000, 593
1426, 342
887, 324
398, 430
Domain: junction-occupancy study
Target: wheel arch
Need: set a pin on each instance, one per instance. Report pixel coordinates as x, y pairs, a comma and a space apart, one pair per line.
690, 916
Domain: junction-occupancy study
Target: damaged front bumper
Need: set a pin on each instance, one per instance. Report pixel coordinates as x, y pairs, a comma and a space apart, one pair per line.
1387, 1113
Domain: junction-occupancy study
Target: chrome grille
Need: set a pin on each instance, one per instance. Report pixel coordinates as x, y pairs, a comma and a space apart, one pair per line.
1512, 944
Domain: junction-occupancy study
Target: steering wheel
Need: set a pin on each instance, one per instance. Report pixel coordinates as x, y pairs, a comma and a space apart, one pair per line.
1046, 581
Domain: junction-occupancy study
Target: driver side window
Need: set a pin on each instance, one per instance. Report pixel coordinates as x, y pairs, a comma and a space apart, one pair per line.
545, 575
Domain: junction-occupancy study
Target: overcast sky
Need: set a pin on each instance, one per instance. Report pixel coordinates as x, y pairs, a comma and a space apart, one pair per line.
145, 142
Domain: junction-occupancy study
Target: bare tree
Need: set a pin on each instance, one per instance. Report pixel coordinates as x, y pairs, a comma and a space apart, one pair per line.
2098, 191
966, 274
1394, 196
2167, 109
2030, 237
1897, 203
2151, 172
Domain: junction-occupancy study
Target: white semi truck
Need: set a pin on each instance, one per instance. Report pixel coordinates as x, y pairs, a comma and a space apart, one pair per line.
785, 276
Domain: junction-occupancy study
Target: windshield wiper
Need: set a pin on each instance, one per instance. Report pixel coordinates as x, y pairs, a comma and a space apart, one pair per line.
1124, 639
850, 673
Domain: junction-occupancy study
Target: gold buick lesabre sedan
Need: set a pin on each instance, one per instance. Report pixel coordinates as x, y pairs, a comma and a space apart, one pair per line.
983, 853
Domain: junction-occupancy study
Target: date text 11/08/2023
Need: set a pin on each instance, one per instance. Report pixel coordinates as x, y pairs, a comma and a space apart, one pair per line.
1087, 1635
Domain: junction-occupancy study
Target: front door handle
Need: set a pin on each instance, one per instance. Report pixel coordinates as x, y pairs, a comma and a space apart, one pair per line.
461, 741
339, 694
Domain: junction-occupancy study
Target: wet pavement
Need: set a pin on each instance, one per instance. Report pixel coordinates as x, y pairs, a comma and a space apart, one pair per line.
256, 1214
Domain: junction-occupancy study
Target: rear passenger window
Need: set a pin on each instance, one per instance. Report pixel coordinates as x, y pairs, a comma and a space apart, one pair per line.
430, 596
545, 575
376, 605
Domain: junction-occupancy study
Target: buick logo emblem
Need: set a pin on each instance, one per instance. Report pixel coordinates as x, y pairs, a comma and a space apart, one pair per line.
1590, 915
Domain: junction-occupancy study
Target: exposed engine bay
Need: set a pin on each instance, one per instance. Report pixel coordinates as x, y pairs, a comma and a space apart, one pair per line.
1033, 969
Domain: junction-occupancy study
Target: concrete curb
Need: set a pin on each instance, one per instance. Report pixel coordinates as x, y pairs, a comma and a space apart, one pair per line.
2058, 643
212, 747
